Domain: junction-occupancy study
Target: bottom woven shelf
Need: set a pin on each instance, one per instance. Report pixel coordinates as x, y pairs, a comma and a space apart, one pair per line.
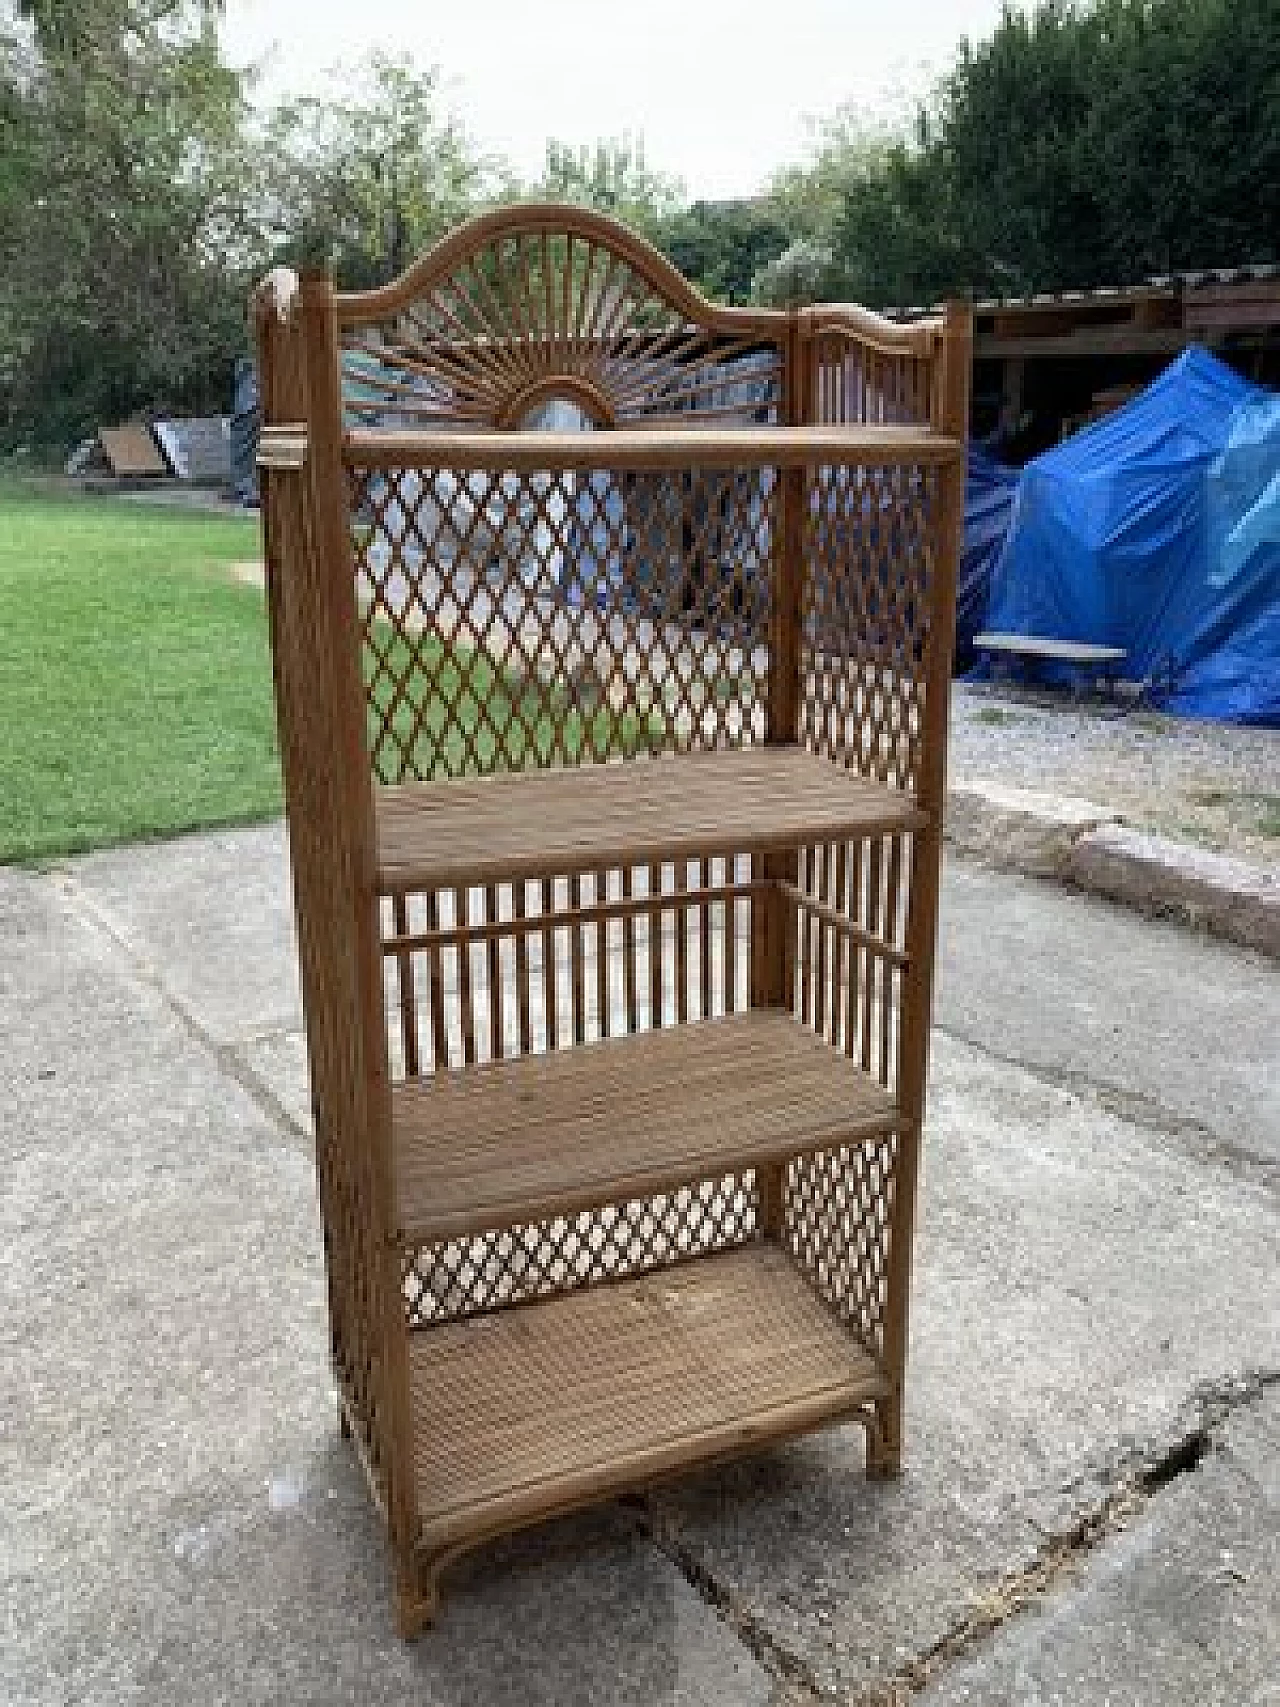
546, 1406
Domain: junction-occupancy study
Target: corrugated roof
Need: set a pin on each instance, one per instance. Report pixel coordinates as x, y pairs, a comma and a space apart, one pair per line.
1164, 283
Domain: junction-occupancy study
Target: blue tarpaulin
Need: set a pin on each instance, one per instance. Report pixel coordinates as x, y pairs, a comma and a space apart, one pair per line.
1158, 530
988, 505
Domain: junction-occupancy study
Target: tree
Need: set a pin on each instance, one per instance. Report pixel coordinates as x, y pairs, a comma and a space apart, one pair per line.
613, 177
723, 245
1082, 145
1184, 132
796, 276
121, 185
367, 181
868, 211
1077, 145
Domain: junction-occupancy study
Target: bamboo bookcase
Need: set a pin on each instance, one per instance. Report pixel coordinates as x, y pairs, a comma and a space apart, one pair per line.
614, 765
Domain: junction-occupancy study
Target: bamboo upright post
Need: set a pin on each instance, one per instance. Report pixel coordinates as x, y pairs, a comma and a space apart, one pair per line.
333, 531
951, 415
774, 933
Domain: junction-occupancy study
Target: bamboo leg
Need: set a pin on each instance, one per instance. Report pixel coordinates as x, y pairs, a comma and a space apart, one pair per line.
884, 1437
417, 1596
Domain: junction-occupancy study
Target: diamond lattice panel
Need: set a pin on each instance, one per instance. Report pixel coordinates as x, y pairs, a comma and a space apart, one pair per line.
467, 1276
837, 1210
868, 567
546, 618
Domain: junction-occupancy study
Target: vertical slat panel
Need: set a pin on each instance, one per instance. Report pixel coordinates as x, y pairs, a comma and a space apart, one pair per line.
791, 924
602, 957
519, 905
576, 970
550, 977
822, 879
857, 956
462, 917
872, 964
629, 968
730, 944
408, 1000
704, 869
893, 881
840, 969
683, 919
806, 868
435, 961
655, 946
497, 1037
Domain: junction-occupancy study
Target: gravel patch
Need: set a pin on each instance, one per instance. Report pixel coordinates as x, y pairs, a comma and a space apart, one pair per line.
1210, 783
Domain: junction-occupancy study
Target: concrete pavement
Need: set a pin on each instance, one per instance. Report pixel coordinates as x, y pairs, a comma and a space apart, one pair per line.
1182, 1605
1096, 1343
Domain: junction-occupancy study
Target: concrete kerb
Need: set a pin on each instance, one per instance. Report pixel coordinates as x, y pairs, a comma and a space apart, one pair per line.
1074, 841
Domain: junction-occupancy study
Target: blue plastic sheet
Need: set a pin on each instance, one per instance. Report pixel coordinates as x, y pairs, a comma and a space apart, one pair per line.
988, 507
246, 421
1158, 530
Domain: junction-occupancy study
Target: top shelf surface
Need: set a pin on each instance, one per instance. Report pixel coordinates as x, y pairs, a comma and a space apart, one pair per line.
651, 447
565, 819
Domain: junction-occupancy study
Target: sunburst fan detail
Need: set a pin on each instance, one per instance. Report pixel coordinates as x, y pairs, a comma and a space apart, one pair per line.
554, 303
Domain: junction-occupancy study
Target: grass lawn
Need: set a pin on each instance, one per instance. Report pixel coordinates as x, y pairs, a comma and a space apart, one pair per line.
135, 675
459, 705
135, 682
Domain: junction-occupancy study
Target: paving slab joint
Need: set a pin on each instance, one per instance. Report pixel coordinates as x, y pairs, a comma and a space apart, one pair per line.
1193, 1137
230, 1061
796, 1685
1135, 1483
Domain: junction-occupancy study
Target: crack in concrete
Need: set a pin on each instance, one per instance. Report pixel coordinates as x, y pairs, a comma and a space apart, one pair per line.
1138, 1479
94, 916
1195, 1140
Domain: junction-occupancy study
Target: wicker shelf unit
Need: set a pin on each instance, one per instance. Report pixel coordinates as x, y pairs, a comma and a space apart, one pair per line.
613, 765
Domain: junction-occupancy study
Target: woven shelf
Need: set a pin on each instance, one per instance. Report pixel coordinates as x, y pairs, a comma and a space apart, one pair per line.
547, 1134
547, 823
535, 1409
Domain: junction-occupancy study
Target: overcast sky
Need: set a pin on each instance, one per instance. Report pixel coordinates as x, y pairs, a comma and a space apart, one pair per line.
722, 92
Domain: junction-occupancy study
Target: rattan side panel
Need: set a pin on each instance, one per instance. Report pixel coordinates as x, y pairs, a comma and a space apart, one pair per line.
323, 886
511, 1265
870, 544
847, 967
475, 974
837, 1222
852, 382
482, 973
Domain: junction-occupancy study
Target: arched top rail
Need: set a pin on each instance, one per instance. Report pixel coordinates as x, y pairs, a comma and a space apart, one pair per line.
539, 221
551, 315
874, 331
535, 308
